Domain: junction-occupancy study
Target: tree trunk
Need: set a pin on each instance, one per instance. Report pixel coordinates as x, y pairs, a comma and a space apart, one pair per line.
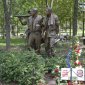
46, 3
83, 25
17, 28
3, 31
52, 3
70, 26
10, 13
75, 15
66, 25
7, 24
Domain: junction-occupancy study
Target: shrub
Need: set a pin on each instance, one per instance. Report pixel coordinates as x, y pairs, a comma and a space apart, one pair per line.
26, 67
21, 67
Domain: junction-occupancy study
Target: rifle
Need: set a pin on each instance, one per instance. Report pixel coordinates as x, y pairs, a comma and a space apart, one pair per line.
22, 16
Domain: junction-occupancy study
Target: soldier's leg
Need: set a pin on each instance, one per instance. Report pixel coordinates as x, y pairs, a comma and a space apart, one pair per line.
52, 42
30, 41
38, 42
47, 45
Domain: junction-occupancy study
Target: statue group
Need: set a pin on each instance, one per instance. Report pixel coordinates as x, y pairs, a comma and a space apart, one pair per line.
42, 29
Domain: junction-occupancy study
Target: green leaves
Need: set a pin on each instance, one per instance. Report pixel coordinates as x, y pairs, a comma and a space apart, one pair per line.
21, 67
25, 67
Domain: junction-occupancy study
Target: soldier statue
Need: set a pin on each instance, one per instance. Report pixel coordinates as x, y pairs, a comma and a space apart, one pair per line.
34, 24
33, 33
51, 29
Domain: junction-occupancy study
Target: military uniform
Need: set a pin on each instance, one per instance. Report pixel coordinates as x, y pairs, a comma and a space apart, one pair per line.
34, 24
52, 29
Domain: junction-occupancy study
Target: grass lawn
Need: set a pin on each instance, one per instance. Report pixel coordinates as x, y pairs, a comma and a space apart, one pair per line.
14, 41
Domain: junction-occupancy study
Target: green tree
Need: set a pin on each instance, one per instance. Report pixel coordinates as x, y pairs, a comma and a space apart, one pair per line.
75, 17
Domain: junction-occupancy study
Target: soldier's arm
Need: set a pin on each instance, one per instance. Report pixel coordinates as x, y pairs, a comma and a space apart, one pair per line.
57, 24
41, 23
57, 21
44, 24
22, 20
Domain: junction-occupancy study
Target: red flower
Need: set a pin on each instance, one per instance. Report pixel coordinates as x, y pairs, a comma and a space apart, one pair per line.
77, 62
78, 51
69, 82
56, 70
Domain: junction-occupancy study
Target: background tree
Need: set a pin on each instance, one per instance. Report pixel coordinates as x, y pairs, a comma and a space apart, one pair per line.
75, 16
7, 24
1, 20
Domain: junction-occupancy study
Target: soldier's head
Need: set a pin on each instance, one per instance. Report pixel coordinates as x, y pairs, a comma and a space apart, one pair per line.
48, 11
34, 11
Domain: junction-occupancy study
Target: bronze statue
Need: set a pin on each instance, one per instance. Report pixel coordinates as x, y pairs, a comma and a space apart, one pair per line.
51, 29
34, 24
